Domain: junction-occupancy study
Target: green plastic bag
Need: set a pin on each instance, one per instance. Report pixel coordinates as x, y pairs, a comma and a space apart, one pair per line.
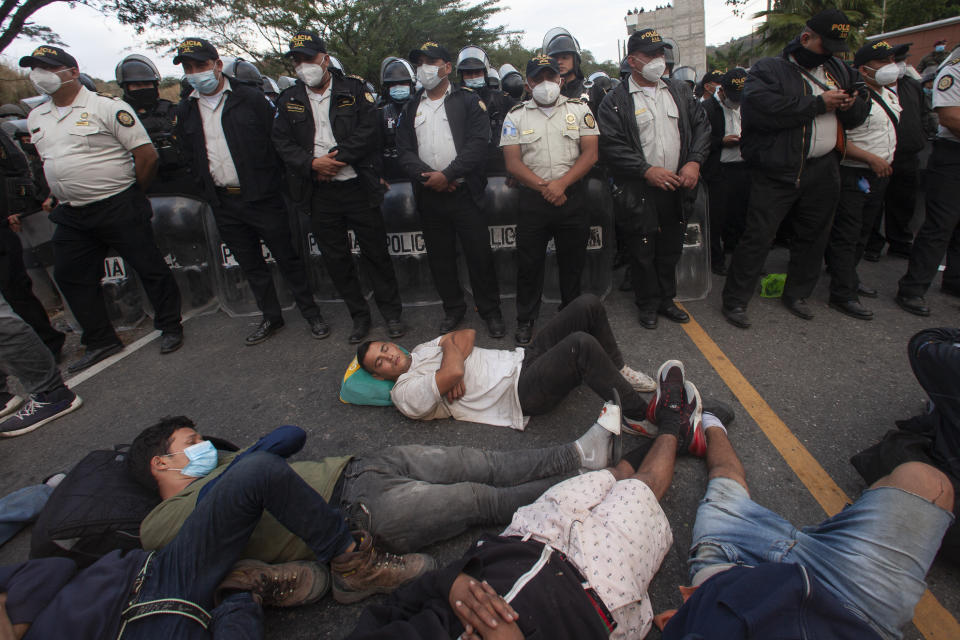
772, 285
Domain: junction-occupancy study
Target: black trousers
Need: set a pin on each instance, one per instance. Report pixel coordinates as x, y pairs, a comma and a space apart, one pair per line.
81, 241
729, 194
852, 224
940, 232
576, 346
446, 217
242, 225
17, 289
810, 204
654, 256
337, 207
935, 360
537, 222
899, 205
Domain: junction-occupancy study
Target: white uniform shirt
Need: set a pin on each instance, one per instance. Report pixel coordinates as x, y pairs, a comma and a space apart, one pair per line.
877, 134
434, 139
323, 139
732, 127
946, 93
222, 169
549, 139
85, 147
490, 381
658, 120
824, 136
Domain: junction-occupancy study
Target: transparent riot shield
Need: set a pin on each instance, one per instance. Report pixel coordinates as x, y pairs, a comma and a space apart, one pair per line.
408, 252
693, 270
180, 233
317, 274
36, 236
122, 293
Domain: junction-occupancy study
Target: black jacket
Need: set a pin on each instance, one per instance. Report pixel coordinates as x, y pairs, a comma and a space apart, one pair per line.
711, 168
354, 120
389, 112
247, 123
173, 175
470, 128
911, 138
778, 109
498, 104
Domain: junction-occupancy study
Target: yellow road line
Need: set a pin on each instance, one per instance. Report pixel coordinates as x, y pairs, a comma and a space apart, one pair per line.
930, 617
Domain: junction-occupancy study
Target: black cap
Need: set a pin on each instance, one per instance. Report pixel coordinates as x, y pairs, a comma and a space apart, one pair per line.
732, 83
872, 51
196, 49
646, 41
714, 75
943, 42
307, 42
833, 26
900, 51
539, 64
429, 49
48, 54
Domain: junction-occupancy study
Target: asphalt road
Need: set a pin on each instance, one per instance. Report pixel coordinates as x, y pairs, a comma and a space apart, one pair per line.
837, 383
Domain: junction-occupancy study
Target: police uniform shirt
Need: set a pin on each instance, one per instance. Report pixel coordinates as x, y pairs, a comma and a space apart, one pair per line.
323, 139
732, 126
946, 93
657, 119
86, 146
549, 138
220, 162
877, 134
434, 138
823, 138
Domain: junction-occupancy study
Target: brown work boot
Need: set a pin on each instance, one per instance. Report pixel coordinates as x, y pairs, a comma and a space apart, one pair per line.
366, 570
290, 584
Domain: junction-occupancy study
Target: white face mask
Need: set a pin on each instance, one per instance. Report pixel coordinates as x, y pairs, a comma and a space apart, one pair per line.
887, 74
901, 69
652, 71
428, 76
45, 81
546, 93
311, 74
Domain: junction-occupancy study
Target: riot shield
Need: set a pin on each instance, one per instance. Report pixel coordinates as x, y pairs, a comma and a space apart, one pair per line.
317, 274
408, 252
36, 236
693, 270
178, 227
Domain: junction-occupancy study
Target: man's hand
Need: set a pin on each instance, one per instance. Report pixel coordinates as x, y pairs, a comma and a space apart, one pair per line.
386, 185
456, 392
554, 192
837, 99
730, 141
689, 175
47, 204
14, 222
482, 611
8, 631
662, 179
327, 165
879, 166
436, 181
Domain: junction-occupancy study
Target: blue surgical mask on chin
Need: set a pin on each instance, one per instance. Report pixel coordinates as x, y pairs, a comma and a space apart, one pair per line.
940, 48
205, 82
203, 459
475, 83
400, 92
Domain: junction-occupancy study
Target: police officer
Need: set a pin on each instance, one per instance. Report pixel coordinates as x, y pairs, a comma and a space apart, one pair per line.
864, 175
708, 84
98, 160
935, 57
396, 84
549, 143
472, 65
512, 82
600, 84
653, 138
564, 48
725, 171
793, 106
225, 128
443, 140
326, 131
940, 232
243, 71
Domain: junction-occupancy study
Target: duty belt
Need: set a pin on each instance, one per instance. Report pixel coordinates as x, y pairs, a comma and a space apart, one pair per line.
232, 191
138, 610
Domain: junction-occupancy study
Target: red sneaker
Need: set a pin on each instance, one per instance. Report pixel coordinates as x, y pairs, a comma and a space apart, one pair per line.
692, 438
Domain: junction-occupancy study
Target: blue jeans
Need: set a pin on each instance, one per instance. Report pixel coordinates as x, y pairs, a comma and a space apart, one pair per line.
873, 555
212, 538
20, 508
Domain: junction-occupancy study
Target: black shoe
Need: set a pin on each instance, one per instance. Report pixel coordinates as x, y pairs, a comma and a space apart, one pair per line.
674, 313
950, 290
495, 326
396, 328
915, 305
361, 327
871, 256
319, 329
798, 307
853, 309
450, 321
719, 269
737, 316
170, 341
627, 283
723, 412
647, 319
524, 333
93, 356
263, 332
866, 292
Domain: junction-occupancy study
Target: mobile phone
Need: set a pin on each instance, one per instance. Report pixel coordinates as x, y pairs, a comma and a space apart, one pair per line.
857, 88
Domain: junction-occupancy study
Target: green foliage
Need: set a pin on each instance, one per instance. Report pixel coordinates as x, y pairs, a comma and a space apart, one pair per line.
906, 13
788, 17
14, 84
734, 54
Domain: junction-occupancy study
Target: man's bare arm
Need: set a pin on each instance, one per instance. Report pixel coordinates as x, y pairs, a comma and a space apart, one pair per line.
146, 162
450, 373
464, 339
950, 118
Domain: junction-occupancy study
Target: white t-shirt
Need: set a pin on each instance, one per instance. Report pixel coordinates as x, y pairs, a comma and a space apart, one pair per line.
490, 384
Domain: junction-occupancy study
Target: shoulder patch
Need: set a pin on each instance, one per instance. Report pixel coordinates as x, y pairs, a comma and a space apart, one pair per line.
368, 97
952, 61
466, 89
355, 77
125, 119
107, 95
589, 121
945, 82
519, 105
574, 100
482, 104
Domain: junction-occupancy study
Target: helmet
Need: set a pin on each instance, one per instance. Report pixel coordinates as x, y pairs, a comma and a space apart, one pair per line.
472, 58
15, 110
559, 40
687, 74
242, 71
285, 82
185, 87
136, 68
87, 82
16, 128
493, 79
336, 64
594, 77
670, 52
511, 81
625, 69
268, 85
394, 69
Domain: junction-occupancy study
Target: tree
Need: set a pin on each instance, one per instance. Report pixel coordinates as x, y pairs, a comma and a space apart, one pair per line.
734, 54
906, 13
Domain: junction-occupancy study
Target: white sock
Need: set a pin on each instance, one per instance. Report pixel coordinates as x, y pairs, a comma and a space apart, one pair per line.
710, 420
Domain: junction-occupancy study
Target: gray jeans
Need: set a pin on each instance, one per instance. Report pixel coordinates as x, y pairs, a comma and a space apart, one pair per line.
417, 495
23, 354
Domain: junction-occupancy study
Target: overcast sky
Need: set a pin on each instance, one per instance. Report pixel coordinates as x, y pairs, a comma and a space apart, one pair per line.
99, 42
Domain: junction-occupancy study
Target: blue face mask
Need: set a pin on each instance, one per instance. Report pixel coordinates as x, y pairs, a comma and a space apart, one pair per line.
202, 457
400, 92
940, 48
475, 83
205, 82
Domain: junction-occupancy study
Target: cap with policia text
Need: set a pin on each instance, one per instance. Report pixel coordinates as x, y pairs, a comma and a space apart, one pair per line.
873, 51
714, 75
732, 83
833, 27
539, 64
429, 50
46, 54
309, 43
646, 41
196, 49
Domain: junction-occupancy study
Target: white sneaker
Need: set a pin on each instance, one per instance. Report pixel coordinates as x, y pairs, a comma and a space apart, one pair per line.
610, 418
638, 380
